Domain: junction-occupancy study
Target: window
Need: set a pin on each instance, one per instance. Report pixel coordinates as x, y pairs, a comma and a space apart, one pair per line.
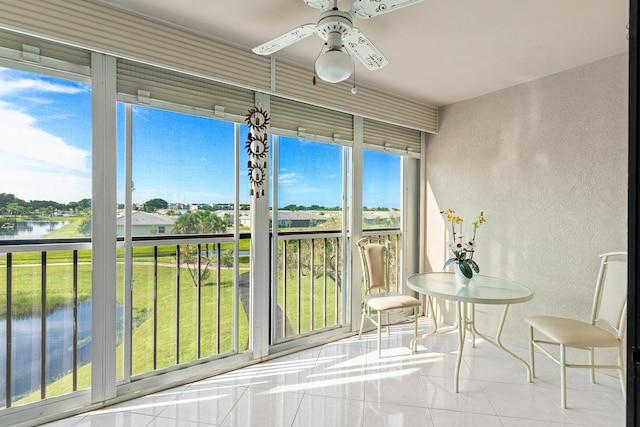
184, 185
45, 194
45, 156
308, 294
381, 192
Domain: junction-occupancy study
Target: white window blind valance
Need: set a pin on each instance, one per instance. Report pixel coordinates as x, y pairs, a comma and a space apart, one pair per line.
394, 138
293, 116
182, 89
43, 53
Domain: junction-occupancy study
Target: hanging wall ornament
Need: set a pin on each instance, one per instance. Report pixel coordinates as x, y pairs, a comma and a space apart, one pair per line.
257, 119
257, 147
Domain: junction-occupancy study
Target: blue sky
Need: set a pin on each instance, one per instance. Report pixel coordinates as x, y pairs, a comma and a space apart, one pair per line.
45, 137
45, 153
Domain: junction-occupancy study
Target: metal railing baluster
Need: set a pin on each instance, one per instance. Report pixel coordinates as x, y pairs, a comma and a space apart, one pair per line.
9, 367
199, 258
43, 327
324, 275
299, 245
155, 307
337, 272
177, 304
218, 282
313, 293
284, 289
74, 355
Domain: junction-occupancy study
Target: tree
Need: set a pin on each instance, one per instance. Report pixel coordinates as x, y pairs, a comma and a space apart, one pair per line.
84, 204
14, 209
200, 222
154, 204
193, 255
85, 226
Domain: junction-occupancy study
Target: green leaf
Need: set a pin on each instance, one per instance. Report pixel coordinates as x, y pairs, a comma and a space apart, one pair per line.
466, 269
449, 261
474, 265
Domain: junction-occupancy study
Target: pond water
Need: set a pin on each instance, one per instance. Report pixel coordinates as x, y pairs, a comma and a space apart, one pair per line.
26, 340
29, 229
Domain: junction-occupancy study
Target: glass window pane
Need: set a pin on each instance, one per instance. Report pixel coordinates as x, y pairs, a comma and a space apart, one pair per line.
45, 156
45, 194
309, 289
381, 190
183, 174
183, 169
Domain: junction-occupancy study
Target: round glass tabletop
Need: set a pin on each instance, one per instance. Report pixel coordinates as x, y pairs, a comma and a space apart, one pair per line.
481, 289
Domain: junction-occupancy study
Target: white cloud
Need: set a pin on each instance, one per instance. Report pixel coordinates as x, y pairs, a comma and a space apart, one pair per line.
37, 165
9, 85
288, 178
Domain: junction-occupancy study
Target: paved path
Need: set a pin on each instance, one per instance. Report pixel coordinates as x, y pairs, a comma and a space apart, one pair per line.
244, 289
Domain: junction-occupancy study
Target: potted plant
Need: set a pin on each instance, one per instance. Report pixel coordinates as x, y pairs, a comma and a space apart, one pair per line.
462, 249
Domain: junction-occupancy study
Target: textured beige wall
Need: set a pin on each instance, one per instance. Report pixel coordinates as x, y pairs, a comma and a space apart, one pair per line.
547, 163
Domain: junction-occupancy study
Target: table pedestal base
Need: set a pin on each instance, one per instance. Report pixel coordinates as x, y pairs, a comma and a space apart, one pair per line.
465, 321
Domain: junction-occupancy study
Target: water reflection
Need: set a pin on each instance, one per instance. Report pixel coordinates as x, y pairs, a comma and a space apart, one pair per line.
26, 348
29, 229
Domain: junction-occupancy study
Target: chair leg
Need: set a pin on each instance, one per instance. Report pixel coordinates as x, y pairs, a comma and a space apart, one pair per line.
531, 352
379, 331
563, 377
388, 327
362, 322
623, 383
592, 363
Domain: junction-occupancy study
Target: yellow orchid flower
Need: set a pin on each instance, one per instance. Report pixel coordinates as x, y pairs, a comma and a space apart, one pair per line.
463, 251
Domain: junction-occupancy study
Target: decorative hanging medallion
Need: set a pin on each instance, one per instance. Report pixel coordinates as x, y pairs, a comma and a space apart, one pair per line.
257, 119
257, 147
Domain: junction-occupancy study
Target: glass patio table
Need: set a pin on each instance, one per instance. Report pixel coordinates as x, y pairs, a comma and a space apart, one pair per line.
481, 290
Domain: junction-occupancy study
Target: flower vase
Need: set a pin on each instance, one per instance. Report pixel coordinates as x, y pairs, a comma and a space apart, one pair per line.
461, 279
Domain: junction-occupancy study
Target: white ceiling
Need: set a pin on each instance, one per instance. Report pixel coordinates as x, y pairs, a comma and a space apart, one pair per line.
439, 51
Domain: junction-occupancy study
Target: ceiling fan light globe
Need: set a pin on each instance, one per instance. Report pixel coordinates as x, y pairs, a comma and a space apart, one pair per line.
334, 66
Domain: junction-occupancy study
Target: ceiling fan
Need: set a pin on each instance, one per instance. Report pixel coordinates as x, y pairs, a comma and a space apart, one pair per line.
336, 29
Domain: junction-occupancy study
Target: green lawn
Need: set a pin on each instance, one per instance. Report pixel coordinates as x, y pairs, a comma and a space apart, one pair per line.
176, 335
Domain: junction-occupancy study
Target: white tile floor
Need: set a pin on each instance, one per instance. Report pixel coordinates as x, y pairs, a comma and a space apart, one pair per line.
345, 384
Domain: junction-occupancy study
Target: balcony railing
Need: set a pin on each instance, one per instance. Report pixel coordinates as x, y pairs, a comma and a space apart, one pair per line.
40, 279
188, 302
310, 281
185, 306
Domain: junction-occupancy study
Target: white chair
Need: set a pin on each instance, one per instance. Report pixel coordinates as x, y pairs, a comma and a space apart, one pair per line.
375, 257
605, 329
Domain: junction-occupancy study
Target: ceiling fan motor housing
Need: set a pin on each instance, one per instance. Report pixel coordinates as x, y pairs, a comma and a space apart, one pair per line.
334, 22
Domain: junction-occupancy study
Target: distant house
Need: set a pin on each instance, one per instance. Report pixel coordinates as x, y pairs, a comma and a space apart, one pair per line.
245, 218
146, 224
300, 219
378, 217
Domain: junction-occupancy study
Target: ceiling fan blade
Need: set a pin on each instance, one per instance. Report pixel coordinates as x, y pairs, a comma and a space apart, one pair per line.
364, 50
370, 8
323, 5
285, 40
